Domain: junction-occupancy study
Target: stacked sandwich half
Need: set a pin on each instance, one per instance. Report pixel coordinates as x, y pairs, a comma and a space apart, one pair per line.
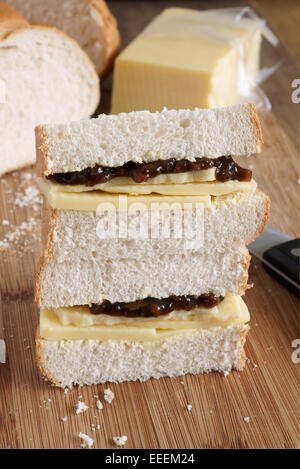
147, 217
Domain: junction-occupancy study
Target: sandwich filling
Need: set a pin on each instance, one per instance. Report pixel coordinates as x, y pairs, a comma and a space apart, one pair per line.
199, 180
79, 323
225, 170
155, 307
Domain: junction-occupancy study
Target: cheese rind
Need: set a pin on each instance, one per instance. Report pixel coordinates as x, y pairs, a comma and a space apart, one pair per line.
78, 323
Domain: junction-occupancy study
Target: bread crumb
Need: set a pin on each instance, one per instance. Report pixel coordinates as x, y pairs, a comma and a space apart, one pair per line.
81, 407
64, 419
29, 198
18, 233
94, 427
87, 440
189, 407
99, 405
120, 440
247, 419
22, 236
108, 395
298, 181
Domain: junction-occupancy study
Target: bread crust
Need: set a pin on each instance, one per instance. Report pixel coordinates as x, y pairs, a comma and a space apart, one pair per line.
39, 359
246, 268
48, 233
10, 20
42, 160
266, 217
110, 34
242, 347
256, 122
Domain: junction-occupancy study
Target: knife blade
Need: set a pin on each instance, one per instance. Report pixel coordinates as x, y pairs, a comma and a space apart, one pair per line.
280, 254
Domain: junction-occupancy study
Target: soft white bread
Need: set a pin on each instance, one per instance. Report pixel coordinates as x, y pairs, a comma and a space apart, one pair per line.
47, 78
89, 22
112, 140
80, 281
232, 221
80, 268
80, 362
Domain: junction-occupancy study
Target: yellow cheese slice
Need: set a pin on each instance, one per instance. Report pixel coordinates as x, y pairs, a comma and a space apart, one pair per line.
204, 175
97, 200
78, 323
201, 188
186, 59
149, 195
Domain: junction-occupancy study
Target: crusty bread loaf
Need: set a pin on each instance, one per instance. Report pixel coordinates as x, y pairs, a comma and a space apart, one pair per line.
47, 78
80, 362
144, 136
79, 268
89, 22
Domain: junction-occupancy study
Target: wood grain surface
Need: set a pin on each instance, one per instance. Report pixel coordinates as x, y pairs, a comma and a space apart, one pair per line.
257, 408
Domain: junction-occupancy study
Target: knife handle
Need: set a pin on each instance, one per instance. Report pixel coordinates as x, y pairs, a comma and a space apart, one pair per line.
285, 257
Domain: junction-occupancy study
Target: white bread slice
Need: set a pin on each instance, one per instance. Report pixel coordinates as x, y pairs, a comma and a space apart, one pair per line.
232, 221
79, 281
112, 140
89, 22
80, 362
47, 78
79, 268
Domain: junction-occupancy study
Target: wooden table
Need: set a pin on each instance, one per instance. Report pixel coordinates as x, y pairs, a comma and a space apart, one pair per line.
258, 407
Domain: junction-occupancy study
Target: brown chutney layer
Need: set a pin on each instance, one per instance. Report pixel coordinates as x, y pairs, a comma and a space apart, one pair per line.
226, 169
155, 307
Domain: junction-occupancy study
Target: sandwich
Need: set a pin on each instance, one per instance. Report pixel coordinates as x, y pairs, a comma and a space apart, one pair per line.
146, 221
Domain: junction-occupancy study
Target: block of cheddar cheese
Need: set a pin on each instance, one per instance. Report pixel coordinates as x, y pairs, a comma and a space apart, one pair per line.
186, 59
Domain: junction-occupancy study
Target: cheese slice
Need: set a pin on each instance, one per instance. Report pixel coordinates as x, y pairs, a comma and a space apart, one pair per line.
79, 323
201, 188
185, 59
101, 201
148, 195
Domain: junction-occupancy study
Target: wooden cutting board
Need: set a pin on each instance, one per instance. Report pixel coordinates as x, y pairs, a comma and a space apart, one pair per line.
256, 408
